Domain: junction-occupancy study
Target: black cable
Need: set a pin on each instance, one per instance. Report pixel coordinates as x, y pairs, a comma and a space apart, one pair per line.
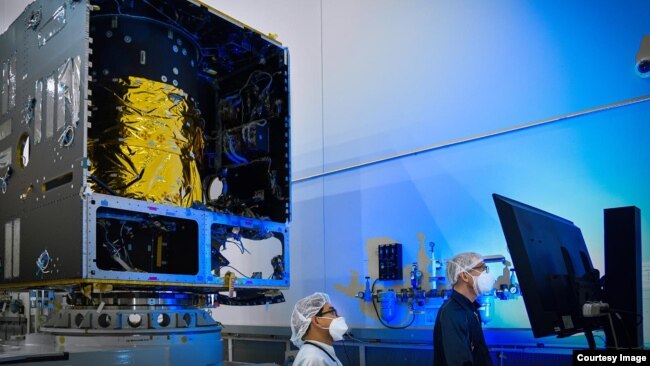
627, 334
239, 244
238, 271
103, 185
611, 325
639, 316
379, 317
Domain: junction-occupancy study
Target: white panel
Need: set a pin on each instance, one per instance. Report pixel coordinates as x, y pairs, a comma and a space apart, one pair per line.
16, 249
249, 256
8, 247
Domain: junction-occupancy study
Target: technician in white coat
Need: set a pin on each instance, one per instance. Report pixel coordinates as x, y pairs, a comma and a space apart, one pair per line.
315, 325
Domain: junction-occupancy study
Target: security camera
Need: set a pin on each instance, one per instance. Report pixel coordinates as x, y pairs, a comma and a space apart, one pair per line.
643, 58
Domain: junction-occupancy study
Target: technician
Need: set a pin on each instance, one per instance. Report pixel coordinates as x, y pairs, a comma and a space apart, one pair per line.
457, 334
315, 325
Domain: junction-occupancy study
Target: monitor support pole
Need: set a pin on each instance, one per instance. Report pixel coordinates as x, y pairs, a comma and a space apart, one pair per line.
590, 339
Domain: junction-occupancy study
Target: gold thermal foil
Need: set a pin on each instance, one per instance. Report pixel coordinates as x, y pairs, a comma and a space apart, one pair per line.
152, 150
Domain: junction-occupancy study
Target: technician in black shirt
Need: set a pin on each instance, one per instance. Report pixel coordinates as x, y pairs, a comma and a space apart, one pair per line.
457, 335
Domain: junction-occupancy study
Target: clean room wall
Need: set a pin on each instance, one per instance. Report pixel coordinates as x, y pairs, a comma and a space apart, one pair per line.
9, 10
374, 79
574, 168
399, 76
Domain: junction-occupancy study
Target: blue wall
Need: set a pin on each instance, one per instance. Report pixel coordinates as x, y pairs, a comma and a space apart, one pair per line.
573, 168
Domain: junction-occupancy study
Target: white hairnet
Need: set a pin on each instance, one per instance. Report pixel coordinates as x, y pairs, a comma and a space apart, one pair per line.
305, 309
462, 262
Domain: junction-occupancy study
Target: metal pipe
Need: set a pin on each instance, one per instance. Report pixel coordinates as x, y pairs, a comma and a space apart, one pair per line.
494, 133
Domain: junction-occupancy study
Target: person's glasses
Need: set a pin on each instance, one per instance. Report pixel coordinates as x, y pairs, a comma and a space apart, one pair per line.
481, 268
330, 311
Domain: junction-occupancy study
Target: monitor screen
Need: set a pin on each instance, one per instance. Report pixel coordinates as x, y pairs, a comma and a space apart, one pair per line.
553, 267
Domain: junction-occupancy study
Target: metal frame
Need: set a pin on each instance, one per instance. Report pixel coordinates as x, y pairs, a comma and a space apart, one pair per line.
47, 206
204, 219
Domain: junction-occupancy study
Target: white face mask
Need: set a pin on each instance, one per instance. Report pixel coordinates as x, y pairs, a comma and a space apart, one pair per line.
483, 283
337, 328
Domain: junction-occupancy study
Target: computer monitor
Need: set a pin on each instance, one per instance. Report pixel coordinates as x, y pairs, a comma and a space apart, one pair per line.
553, 267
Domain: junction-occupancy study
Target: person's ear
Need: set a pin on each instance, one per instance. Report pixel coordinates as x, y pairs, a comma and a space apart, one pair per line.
463, 276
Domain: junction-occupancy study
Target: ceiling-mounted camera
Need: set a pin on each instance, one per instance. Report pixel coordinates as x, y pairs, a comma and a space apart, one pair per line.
642, 64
